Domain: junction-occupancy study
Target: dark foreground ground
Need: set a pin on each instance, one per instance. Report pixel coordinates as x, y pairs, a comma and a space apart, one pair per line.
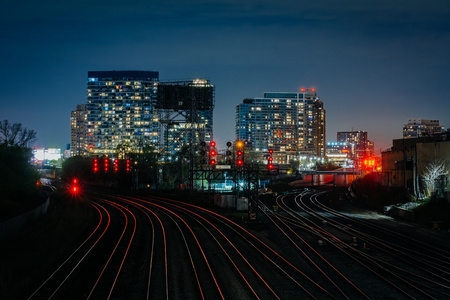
37, 248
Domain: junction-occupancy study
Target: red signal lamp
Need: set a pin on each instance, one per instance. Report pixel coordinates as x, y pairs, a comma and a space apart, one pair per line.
213, 162
239, 153
270, 151
239, 162
270, 167
271, 158
212, 153
212, 144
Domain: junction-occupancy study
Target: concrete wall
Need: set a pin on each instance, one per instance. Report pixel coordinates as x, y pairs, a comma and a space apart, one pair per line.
14, 224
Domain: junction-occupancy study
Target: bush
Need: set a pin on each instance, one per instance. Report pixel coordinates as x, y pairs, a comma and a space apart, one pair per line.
18, 178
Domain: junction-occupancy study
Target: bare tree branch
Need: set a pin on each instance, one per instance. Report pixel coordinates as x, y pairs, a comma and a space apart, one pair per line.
433, 171
14, 135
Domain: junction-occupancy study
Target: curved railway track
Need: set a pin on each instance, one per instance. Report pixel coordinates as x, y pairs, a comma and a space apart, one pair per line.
147, 247
396, 264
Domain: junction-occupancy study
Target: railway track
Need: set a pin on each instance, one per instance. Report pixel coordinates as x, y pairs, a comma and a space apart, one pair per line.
147, 247
397, 265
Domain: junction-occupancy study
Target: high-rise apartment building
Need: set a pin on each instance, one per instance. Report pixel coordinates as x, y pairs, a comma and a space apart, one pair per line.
186, 113
120, 110
132, 109
291, 122
78, 125
419, 128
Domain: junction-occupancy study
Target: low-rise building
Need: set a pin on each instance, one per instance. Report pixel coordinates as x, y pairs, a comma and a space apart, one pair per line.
404, 165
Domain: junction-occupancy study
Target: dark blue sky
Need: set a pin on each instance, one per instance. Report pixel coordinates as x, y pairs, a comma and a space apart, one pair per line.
375, 64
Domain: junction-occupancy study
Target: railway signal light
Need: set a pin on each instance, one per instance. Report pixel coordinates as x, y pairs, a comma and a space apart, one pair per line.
95, 165
212, 153
106, 165
128, 166
116, 165
74, 188
270, 160
239, 153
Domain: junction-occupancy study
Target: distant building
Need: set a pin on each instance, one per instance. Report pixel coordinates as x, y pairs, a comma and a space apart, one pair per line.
44, 155
420, 127
338, 153
120, 110
129, 110
290, 123
78, 125
359, 147
185, 114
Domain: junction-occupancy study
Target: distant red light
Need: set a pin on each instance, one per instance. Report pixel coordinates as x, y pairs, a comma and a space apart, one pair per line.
213, 144
239, 162
212, 153
271, 158
270, 151
239, 153
270, 167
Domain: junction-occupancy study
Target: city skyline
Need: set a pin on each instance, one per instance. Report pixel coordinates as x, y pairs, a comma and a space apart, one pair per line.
374, 64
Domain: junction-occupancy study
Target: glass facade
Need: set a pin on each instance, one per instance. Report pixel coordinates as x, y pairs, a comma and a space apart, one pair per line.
283, 122
120, 110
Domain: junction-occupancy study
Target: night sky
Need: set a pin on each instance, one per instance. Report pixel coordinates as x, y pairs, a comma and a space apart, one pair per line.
375, 64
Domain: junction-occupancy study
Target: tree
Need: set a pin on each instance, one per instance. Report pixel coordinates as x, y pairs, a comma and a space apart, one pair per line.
77, 167
433, 172
147, 162
18, 177
14, 135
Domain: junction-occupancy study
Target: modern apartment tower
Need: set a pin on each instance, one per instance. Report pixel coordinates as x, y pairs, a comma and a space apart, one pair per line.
186, 113
120, 111
78, 125
292, 122
133, 109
